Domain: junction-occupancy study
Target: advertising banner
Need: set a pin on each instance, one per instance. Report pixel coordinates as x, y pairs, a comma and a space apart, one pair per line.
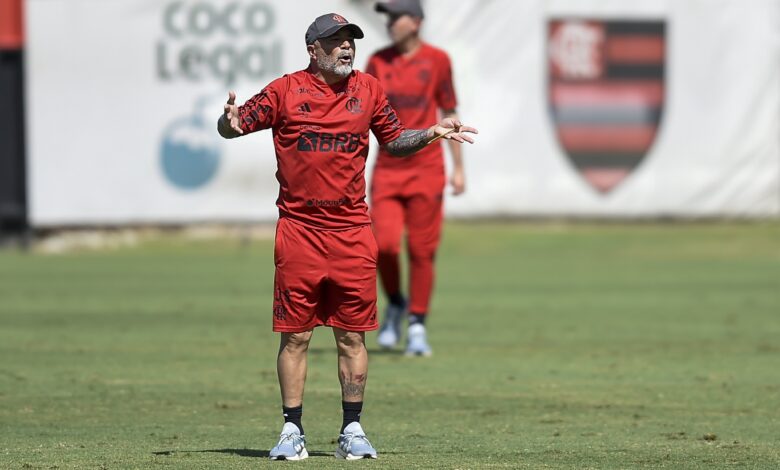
605, 108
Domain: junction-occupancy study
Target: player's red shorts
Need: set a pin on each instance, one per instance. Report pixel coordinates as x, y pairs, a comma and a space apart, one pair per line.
412, 198
324, 278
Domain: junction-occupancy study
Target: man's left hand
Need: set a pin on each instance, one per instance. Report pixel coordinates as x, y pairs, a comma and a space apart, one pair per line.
452, 129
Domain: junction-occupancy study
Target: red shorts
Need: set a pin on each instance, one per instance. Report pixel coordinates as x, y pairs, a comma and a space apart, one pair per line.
324, 278
412, 200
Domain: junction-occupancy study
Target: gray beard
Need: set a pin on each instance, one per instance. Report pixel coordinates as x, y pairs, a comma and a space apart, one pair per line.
324, 63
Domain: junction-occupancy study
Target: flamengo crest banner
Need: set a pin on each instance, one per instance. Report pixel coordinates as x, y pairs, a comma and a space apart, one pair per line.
606, 92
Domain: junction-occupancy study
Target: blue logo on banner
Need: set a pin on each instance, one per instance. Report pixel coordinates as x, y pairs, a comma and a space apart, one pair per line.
190, 153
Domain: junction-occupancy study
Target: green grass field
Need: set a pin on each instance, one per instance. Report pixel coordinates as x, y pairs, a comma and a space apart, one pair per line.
556, 346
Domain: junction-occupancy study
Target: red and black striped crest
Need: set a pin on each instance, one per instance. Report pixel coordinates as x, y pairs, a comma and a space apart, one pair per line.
606, 93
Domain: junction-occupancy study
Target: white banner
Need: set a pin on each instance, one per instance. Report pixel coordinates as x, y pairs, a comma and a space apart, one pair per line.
587, 108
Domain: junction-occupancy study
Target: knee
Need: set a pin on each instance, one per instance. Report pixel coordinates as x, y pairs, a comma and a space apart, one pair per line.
388, 247
387, 240
351, 343
296, 342
421, 254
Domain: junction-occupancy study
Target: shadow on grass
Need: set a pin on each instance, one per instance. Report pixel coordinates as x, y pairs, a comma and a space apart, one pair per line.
239, 452
243, 452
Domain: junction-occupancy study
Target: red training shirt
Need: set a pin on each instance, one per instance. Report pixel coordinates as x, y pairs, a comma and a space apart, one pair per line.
320, 134
416, 87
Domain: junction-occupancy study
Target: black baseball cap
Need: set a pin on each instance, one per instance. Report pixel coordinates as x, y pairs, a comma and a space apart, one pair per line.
401, 7
330, 23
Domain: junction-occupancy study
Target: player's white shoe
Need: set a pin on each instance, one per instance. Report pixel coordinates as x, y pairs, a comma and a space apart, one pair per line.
417, 341
390, 331
291, 445
353, 444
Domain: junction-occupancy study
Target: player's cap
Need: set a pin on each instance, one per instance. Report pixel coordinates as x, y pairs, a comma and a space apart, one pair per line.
401, 7
328, 24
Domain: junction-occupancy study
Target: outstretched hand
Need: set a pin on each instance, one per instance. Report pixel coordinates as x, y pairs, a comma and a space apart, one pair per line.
452, 129
231, 113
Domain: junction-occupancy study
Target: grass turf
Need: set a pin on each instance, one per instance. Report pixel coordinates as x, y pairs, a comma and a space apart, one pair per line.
611, 346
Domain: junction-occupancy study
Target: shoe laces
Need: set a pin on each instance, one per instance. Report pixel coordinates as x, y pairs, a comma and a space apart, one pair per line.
349, 437
289, 437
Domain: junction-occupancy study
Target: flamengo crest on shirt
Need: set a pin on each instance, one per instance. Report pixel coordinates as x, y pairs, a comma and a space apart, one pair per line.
606, 92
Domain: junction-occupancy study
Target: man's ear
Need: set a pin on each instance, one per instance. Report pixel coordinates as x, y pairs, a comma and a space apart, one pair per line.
310, 49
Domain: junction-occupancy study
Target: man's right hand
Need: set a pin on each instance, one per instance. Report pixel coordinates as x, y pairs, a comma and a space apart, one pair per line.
458, 181
231, 113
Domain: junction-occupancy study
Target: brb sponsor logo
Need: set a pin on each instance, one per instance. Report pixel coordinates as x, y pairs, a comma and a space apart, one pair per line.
344, 142
210, 42
218, 40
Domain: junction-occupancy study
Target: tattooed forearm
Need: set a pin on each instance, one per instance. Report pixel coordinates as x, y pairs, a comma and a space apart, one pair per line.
352, 386
409, 142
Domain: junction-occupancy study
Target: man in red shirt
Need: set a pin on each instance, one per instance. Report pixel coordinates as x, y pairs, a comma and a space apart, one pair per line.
325, 252
409, 192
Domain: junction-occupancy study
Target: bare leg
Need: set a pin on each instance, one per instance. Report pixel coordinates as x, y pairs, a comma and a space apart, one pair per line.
291, 366
353, 363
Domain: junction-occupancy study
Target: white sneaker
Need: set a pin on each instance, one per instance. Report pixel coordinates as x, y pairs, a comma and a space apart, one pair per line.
291, 445
390, 331
353, 444
417, 341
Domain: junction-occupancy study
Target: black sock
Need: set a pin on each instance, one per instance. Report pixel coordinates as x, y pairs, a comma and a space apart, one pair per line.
396, 299
352, 411
293, 415
415, 318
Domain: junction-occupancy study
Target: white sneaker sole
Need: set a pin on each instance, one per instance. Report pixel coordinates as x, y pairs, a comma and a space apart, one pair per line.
418, 353
301, 456
340, 454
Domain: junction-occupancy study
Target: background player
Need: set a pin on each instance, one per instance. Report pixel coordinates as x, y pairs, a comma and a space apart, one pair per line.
417, 78
325, 252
